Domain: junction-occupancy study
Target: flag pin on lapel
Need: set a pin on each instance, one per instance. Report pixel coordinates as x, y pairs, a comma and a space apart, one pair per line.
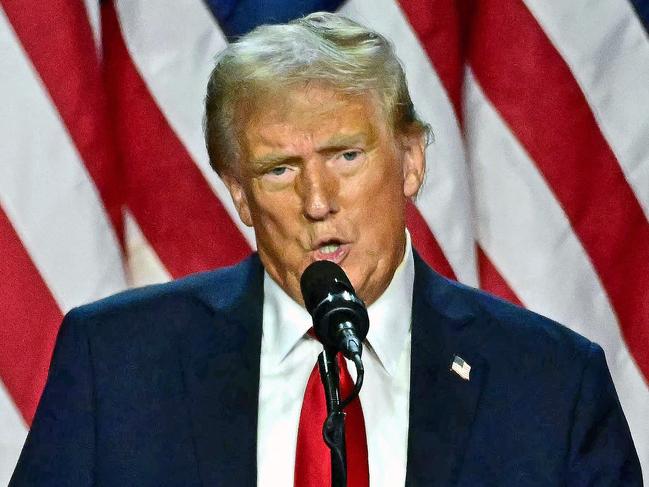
460, 367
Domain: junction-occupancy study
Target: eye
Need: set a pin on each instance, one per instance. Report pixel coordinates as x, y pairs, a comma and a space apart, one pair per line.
350, 155
349, 161
278, 176
278, 171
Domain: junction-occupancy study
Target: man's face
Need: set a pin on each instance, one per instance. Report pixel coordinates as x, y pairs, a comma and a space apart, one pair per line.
323, 177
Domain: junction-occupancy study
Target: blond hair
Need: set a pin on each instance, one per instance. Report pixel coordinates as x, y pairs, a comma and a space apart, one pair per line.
321, 47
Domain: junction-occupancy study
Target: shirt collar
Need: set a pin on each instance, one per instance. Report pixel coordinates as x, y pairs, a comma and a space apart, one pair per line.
285, 322
391, 314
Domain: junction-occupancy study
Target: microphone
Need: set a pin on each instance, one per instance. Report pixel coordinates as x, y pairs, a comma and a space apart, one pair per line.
339, 316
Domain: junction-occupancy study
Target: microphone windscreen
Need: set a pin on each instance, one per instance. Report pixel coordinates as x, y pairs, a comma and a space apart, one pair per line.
321, 278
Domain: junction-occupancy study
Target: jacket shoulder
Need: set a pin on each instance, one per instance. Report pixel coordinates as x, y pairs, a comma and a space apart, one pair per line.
497, 324
170, 308
522, 325
217, 289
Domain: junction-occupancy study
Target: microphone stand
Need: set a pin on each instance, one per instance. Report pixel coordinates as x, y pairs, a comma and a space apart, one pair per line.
333, 429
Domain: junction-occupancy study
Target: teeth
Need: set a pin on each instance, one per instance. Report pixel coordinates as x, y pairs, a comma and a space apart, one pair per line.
329, 249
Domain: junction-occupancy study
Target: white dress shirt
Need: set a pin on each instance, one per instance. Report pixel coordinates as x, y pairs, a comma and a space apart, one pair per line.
288, 355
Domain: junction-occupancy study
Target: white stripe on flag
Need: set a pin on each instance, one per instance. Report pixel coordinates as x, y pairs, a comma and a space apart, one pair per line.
144, 265
46, 191
616, 85
94, 18
528, 237
174, 45
445, 201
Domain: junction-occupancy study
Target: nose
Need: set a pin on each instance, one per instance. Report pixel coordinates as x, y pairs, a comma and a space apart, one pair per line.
318, 188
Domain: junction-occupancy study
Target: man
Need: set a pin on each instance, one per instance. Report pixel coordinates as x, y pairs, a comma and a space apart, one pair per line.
201, 381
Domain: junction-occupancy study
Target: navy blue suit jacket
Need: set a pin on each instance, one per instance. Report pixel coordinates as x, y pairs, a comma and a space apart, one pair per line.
159, 386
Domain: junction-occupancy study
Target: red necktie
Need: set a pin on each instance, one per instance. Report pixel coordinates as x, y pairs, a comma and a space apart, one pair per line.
312, 456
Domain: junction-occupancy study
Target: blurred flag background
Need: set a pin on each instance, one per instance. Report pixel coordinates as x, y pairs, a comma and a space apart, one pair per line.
537, 187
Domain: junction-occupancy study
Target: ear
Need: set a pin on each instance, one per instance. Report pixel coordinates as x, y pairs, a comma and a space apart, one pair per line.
238, 194
413, 163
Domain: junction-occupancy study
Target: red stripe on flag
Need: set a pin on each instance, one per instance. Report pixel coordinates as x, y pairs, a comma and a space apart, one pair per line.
533, 89
178, 212
58, 39
30, 321
439, 36
425, 243
491, 280
438, 27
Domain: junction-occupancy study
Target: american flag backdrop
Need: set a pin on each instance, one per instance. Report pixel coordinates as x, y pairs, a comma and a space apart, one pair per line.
537, 187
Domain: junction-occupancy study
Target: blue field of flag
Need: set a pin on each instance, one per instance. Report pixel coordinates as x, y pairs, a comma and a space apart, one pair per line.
237, 17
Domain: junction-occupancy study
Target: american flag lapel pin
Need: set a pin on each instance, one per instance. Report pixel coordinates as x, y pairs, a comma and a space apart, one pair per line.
460, 367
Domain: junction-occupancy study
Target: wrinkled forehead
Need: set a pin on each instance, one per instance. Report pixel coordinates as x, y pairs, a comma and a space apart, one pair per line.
309, 110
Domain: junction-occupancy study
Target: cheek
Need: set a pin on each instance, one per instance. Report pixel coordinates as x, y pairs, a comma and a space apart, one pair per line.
379, 208
382, 192
274, 214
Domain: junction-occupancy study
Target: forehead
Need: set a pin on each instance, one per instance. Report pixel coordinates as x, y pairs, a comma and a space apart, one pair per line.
300, 118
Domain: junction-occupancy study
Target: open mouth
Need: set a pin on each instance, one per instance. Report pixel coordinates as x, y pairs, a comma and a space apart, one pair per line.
329, 248
332, 250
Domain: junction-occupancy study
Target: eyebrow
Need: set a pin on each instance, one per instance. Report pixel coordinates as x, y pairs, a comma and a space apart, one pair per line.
271, 160
338, 142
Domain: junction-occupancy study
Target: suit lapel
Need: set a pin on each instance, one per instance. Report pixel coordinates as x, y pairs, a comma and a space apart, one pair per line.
221, 369
442, 403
